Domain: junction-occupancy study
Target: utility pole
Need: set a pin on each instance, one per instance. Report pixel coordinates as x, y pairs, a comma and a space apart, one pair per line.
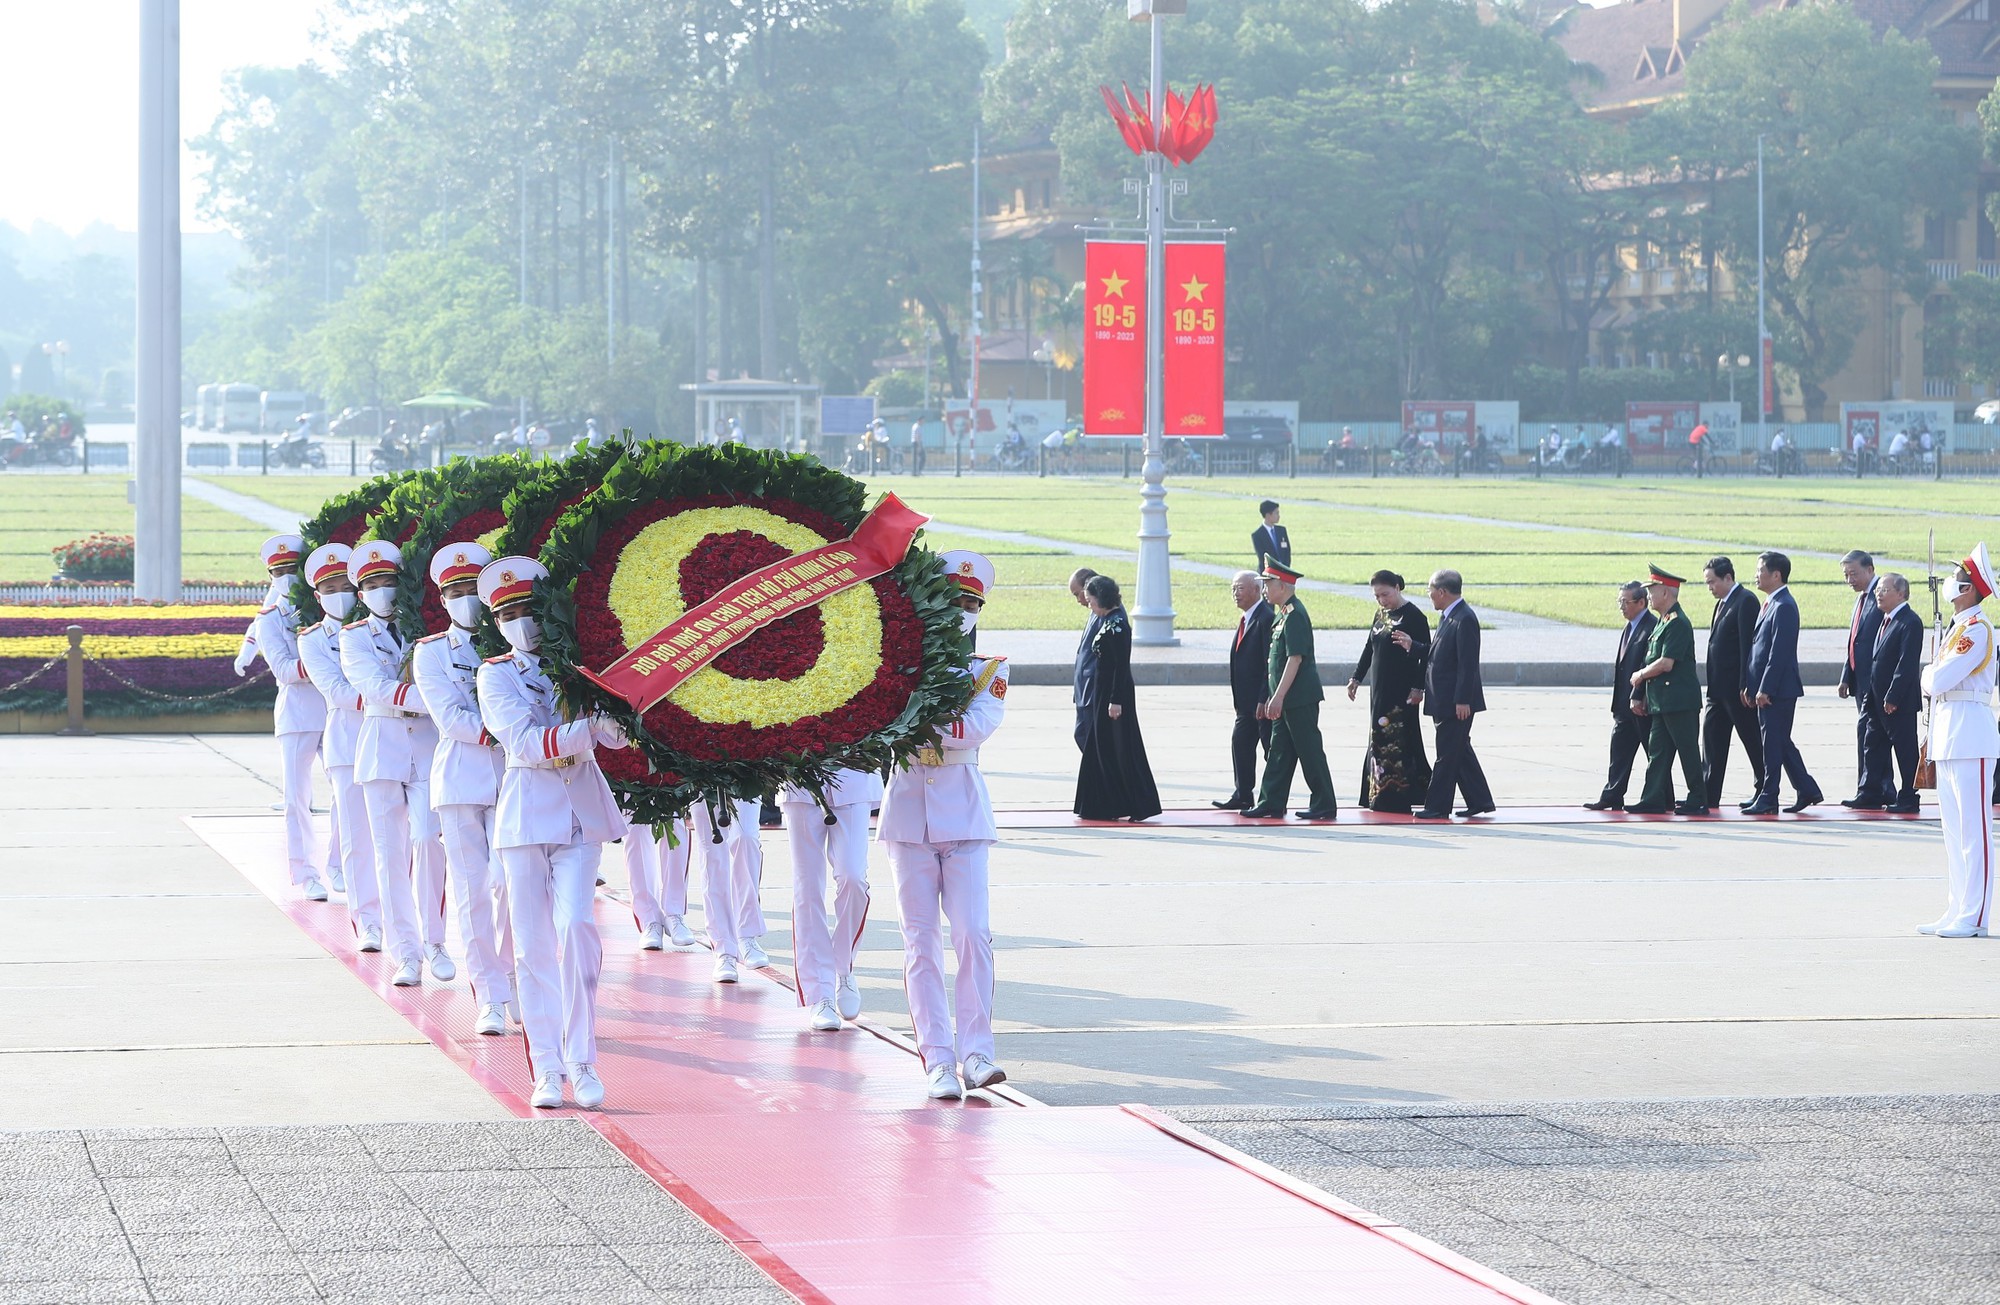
978, 313
611, 258
1153, 618
157, 391
1764, 377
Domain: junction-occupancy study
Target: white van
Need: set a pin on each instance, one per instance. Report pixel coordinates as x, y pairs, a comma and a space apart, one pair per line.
207, 406
281, 410
242, 409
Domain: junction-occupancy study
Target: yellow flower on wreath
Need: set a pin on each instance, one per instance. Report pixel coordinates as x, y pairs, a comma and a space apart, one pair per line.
644, 595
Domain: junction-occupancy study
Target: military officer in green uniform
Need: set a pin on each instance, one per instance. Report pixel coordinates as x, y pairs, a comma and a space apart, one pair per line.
1667, 690
1293, 707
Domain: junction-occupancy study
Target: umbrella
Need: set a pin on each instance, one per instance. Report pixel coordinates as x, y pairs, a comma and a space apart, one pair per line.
445, 399
1988, 412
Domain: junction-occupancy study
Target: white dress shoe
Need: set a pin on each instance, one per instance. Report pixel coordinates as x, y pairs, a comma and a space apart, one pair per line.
678, 932
725, 969
754, 956
1962, 931
314, 890
335, 880
441, 967
824, 1018
409, 974
492, 1021
944, 1084
585, 1088
982, 1073
370, 939
1928, 929
847, 996
655, 937
548, 1092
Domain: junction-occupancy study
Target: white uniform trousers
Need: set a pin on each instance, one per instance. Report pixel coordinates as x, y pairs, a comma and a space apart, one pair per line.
951, 875
658, 874
479, 888
295, 759
732, 871
1964, 787
357, 854
336, 845
409, 865
819, 954
557, 954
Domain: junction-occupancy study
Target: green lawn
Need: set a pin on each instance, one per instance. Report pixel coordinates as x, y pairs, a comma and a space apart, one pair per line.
39, 512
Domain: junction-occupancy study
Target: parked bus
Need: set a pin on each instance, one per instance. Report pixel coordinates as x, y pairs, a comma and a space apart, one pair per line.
282, 409
241, 409
207, 406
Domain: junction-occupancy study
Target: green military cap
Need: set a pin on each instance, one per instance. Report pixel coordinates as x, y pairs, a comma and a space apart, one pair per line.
1659, 577
1276, 570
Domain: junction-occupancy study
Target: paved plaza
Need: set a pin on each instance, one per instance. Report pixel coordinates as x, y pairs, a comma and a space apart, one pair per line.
1645, 1063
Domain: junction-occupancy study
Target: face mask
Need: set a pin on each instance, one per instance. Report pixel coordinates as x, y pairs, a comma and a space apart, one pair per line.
380, 601
464, 610
337, 605
522, 633
1951, 589
966, 620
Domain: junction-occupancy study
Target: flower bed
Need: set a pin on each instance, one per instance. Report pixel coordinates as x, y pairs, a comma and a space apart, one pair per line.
182, 653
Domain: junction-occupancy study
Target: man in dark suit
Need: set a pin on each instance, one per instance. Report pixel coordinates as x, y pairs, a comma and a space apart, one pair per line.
1729, 633
1874, 788
1628, 726
1894, 694
1453, 695
1249, 688
1269, 541
1774, 689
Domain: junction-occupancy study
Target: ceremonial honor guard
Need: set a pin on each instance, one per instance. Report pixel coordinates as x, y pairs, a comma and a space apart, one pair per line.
823, 955
554, 807
732, 860
465, 782
1666, 686
299, 717
1964, 743
937, 824
658, 873
1293, 705
319, 649
392, 763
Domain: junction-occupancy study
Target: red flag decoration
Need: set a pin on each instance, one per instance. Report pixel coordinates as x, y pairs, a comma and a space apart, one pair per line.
1196, 276
1126, 127
1114, 338
1179, 132
1140, 117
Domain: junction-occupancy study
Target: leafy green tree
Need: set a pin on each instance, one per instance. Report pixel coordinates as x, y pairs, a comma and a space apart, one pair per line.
1962, 332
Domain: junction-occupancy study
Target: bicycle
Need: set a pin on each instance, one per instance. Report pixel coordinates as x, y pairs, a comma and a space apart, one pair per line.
1704, 464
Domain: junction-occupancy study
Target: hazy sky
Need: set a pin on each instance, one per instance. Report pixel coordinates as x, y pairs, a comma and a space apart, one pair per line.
71, 84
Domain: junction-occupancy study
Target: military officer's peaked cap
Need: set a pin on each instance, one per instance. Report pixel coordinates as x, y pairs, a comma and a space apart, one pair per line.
455, 562
1980, 568
973, 572
283, 550
509, 579
327, 562
1276, 570
375, 557
1655, 576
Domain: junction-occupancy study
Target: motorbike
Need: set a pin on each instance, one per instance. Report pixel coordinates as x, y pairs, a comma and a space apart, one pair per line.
50, 448
1013, 457
296, 450
394, 453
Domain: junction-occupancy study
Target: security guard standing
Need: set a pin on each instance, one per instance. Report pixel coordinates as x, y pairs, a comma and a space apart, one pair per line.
937, 825
1293, 707
299, 716
1667, 689
554, 807
319, 649
465, 782
1964, 744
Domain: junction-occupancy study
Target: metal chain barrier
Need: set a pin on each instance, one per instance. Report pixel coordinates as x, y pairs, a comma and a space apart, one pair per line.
22, 683
156, 695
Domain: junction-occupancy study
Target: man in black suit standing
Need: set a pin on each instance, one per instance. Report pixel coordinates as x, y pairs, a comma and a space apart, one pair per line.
1453, 695
1628, 714
1270, 540
1729, 633
1894, 695
1249, 687
1874, 787
1774, 689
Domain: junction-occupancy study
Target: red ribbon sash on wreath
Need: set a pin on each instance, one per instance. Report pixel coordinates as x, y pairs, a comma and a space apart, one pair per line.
657, 666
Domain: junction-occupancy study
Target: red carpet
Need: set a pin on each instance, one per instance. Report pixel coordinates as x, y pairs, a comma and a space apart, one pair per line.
819, 1158
1350, 817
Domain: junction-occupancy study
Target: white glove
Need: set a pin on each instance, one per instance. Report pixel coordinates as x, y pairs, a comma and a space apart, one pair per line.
243, 661
608, 732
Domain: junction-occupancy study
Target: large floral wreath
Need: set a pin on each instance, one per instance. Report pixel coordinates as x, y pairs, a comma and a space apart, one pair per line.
342, 519
460, 502
860, 680
550, 489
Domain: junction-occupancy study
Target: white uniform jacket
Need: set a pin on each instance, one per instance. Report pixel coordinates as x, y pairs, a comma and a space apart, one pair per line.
299, 709
319, 649
396, 735
552, 784
946, 802
465, 768
849, 788
1960, 683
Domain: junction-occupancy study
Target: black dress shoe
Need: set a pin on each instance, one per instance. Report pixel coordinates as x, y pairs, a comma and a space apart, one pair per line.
1646, 809
1259, 813
1746, 804
1469, 812
1421, 814
1230, 804
1902, 807
1806, 801
1685, 809
1330, 814
1761, 807
1602, 805
1863, 804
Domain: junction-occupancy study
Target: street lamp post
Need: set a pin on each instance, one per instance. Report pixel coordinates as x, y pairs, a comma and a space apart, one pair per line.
157, 387
1153, 618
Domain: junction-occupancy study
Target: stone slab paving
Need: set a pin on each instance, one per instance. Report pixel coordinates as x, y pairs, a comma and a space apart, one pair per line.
524, 1211
1886, 1200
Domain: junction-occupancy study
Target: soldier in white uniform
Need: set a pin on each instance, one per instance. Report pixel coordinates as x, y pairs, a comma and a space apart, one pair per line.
823, 956
465, 783
732, 874
554, 804
658, 873
392, 765
937, 824
299, 717
1964, 742
319, 649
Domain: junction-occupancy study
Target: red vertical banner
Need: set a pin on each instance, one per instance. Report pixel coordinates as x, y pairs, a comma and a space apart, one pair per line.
1114, 338
1196, 277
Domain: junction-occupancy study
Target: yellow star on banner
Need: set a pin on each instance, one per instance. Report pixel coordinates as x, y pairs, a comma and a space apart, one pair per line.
1194, 289
1115, 285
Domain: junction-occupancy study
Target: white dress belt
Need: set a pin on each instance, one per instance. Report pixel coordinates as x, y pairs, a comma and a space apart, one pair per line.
1964, 695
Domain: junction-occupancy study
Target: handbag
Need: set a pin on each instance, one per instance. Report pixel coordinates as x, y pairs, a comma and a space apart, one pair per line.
1926, 768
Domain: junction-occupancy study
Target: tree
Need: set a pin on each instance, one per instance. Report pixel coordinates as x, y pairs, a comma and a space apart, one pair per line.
1962, 332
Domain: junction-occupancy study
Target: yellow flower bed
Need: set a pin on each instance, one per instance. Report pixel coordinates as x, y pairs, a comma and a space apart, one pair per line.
169, 612
645, 596
121, 646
